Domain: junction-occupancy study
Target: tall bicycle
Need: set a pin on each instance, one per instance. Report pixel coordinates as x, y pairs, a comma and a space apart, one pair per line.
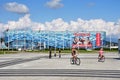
76, 61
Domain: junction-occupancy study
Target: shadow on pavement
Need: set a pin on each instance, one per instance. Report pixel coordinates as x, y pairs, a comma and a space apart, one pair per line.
117, 58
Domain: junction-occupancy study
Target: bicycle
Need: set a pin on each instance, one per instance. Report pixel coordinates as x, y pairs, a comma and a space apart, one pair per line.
101, 59
76, 61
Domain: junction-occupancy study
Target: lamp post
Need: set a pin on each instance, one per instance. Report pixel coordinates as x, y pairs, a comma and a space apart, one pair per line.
8, 41
63, 40
110, 37
24, 41
110, 41
32, 39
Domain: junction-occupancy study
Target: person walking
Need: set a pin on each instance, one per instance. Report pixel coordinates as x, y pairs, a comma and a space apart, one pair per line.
59, 53
50, 53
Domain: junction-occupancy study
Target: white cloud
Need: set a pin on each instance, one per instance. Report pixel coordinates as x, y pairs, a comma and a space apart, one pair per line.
57, 25
111, 28
23, 23
1, 29
54, 4
16, 8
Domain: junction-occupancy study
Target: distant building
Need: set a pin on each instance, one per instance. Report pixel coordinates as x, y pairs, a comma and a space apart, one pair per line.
119, 47
0, 46
111, 44
54, 39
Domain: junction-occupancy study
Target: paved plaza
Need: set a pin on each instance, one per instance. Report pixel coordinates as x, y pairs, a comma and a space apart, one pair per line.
38, 66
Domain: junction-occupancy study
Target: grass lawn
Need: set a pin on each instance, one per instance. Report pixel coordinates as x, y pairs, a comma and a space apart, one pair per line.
53, 51
7, 52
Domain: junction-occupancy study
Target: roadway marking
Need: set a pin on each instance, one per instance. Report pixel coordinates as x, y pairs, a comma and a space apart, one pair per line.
61, 72
18, 61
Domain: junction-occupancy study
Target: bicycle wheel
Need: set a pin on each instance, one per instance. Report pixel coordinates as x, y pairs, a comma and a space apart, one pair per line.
71, 61
103, 59
99, 58
77, 61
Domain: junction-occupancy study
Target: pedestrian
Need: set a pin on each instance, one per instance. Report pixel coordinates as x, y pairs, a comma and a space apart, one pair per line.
50, 53
101, 53
59, 53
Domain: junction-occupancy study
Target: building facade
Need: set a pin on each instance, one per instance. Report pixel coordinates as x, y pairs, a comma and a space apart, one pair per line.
54, 39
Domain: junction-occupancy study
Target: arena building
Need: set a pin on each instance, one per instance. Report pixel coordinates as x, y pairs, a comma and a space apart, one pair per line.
56, 39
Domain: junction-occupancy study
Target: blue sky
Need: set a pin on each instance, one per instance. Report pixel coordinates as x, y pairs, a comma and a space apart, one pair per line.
60, 15
109, 10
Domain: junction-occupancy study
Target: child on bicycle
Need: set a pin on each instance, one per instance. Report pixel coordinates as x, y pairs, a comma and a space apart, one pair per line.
74, 53
101, 53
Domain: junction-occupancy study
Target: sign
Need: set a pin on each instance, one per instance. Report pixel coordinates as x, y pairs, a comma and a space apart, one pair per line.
81, 40
98, 39
81, 34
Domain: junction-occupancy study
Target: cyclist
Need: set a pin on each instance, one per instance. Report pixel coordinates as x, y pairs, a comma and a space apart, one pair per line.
101, 53
74, 54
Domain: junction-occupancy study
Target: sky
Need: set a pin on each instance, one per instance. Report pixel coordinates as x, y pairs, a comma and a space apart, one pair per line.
61, 15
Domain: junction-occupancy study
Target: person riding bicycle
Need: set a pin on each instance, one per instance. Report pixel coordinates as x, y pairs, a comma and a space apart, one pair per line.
74, 53
101, 53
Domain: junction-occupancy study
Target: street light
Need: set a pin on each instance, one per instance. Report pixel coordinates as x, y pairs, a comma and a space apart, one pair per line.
110, 37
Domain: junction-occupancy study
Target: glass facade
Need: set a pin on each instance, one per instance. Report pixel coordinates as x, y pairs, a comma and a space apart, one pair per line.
55, 39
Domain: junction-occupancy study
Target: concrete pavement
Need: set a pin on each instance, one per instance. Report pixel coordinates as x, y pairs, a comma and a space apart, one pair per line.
88, 62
